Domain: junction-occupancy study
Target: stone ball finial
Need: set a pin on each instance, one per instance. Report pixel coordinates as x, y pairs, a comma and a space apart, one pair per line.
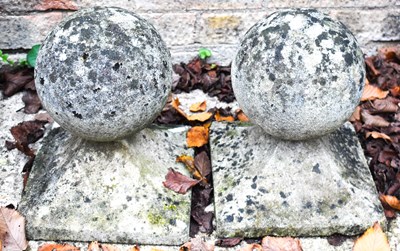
103, 73
298, 74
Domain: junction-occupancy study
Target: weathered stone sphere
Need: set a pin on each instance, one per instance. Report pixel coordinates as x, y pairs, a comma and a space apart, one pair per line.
298, 74
103, 73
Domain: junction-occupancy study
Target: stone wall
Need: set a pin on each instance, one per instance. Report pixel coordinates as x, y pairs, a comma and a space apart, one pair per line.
187, 25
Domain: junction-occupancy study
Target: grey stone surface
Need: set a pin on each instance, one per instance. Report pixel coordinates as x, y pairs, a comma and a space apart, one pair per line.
298, 74
81, 190
11, 162
103, 73
266, 186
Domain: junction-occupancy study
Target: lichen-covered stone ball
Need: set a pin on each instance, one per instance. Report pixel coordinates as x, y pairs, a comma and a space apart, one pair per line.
103, 73
298, 74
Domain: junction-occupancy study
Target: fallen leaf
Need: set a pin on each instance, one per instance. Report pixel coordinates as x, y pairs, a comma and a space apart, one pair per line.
252, 247
1, 244
44, 117
198, 107
189, 163
280, 244
178, 182
372, 240
197, 136
241, 116
378, 135
395, 91
16, 79
228, 242
58, 247
202, 163
200, 116
373, 120
27, 132
385, 105
12, 229
56, 5
372, 92
356, 116
175, 104
134, 248
370, 65
218, 117
197, 244
392, 201
32, 102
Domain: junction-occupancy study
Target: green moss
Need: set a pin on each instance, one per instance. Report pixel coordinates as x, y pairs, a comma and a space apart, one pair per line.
156, 219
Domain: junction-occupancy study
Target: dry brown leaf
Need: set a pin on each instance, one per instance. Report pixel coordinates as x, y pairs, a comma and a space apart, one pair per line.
241, 116
280, 244
252, 247
189, 163
198, 107
378, 135
134, 248
197, 136
58, 247
1, 245
392, 201
373, 120
356, 116
56, 5
395, 91
178, 182
12, 228
218, 117
200, 116
372, 240
372, 92
44, 117
197, 244
175, 104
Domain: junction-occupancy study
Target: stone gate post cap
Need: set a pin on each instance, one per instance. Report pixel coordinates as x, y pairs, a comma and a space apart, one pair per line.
103, 73
298, 74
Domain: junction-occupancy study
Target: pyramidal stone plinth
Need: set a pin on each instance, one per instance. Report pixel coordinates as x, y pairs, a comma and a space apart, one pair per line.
268, 186
111, 192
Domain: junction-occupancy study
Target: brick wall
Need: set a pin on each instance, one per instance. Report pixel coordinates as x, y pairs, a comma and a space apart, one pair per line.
187, 25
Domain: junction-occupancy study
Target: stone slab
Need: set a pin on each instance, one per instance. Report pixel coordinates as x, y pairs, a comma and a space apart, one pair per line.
109, 192
265, 186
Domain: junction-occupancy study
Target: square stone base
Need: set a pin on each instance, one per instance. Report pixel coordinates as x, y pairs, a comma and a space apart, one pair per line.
266, 186
109, 192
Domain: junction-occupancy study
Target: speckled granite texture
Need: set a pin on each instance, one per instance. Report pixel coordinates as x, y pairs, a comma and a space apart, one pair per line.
103, 73
266, 186
298, 74
110, 192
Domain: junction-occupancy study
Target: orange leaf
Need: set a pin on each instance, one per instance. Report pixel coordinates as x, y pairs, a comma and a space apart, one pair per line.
372, 240
280, 243
12, 229
395, 91
252, 247
197, 136
57, 247
175, 104
189, 163
1, 245
356, 116
241, 116
200, 116
56, 5
198, 107
392, 201
372, 92
378, 135
95, 246
218, 117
